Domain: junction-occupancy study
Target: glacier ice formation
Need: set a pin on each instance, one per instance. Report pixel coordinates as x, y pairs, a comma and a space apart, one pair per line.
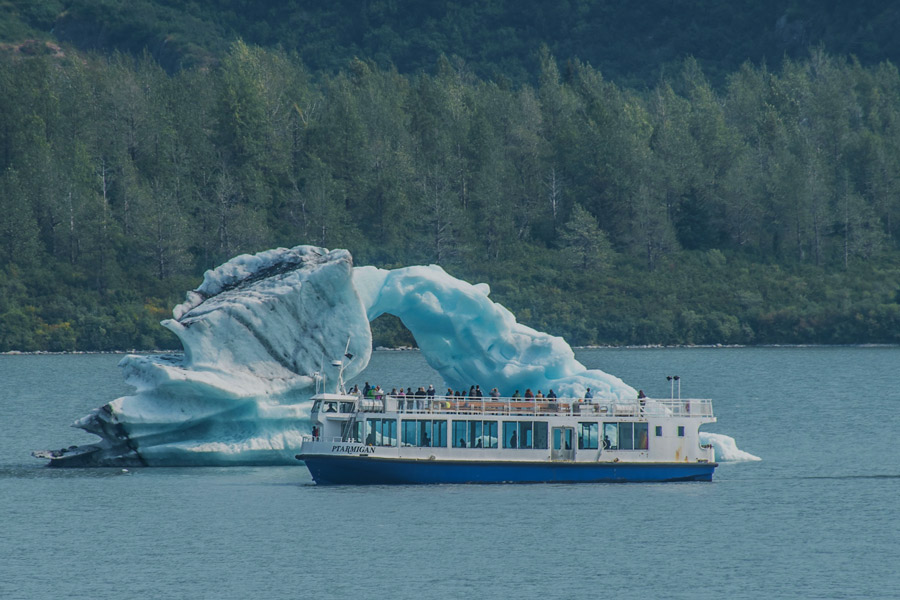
262, 329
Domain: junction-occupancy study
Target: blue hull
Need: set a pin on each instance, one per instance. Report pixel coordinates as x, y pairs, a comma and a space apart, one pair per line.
368, 470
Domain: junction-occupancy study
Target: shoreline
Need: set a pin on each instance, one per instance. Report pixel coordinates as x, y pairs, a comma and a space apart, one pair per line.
410, 349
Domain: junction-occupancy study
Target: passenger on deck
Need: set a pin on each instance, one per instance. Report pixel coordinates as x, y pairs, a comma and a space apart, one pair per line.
588, 395
472, 391
495, 393
449, 393
478, 393
430, 392
551, 393
517, 395
529, 395
540, 395
366, 389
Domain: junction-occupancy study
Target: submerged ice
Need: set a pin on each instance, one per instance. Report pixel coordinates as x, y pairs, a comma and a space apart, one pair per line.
262, 330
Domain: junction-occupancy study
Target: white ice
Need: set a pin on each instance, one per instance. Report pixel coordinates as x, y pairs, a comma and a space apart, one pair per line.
725, 448
469, 339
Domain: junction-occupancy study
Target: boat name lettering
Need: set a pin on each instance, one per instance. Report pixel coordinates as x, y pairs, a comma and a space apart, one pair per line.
353, 449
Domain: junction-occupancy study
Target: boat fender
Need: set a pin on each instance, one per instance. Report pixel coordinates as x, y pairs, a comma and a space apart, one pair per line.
616, 460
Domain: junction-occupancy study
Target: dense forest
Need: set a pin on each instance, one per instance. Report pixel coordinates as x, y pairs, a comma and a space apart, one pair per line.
631, 43
762, 209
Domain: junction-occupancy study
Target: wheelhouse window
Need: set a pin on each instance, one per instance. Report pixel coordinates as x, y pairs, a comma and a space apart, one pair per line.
588, 436
381, 432
659, 431
681, 431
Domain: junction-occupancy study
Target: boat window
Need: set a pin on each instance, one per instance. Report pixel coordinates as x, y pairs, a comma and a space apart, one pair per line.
475, 434
681, 431
540, 435
346, 407
460, 434
489, 433
317, 405
610, 436
358, 432
424, 433
510, 437
588, 436
659, 431
438, 433
641, 437
381, 432
331, 407
408, 431
525, 434
626, 436
525, 439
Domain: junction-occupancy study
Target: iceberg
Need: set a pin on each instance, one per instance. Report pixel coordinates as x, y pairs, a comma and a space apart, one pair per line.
262, 332
725, 448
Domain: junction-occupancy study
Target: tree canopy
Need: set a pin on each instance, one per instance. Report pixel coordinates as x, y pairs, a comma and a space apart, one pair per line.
762, 212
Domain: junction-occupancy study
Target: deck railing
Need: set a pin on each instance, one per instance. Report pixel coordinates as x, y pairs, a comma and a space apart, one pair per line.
548, 406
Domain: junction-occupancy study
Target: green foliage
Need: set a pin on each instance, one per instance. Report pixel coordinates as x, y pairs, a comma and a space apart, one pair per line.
634, 43
766, 212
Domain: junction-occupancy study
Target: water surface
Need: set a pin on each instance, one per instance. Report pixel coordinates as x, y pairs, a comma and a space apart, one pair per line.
816, 518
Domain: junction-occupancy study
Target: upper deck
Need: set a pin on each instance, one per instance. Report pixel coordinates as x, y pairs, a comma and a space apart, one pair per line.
538, 407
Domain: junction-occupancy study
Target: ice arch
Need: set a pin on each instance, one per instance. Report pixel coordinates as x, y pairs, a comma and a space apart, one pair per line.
469, 339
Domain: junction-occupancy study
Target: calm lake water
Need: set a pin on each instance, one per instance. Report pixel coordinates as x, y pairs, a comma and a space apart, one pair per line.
818, 517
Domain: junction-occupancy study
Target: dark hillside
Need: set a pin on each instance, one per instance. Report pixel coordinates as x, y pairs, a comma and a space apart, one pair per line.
630, 42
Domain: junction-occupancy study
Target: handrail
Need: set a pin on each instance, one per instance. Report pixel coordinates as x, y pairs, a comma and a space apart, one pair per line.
685, 407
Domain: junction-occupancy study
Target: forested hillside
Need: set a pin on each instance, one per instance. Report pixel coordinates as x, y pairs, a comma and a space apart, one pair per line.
632, 43
762, 212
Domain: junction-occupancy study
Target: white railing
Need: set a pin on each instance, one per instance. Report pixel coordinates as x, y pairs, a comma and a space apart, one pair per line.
548, 406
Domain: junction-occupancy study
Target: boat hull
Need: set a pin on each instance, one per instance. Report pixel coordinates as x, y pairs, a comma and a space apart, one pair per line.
370, 470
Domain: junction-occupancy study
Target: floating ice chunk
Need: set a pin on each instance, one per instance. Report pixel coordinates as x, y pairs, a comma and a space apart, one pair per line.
725, 448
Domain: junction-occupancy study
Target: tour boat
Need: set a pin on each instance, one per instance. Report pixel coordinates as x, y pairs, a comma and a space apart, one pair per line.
434, 439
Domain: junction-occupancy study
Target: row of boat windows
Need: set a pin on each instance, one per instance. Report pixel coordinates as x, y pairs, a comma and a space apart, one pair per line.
515, 434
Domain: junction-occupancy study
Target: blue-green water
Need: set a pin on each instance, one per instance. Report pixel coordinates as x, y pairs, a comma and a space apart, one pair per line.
818, 517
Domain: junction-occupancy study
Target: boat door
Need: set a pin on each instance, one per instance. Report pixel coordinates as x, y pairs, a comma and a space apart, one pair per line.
563, 447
